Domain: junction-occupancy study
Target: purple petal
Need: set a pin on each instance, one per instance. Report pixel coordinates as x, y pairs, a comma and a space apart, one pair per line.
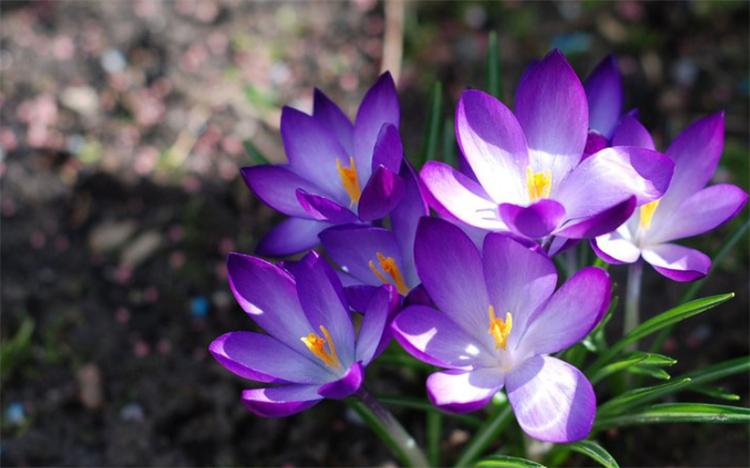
695, 152
277, 187
461, 391
260, 357
552, 88
611, 176
533, 221
374, 323
269, 295
494, 145
358, 296
600, 223
381, 194
616, 248
450, 267
330, 115
276, 402
631, 132
604, 93
701, 212
434, 338
322, 297
388, 150
291, 236
518, 279
379, 107
312, 150
561, 244
353, 247
676, 262
346, 385
570, 314
594, 143
324, 209
552, 400
418, 296
455, 195
405, 217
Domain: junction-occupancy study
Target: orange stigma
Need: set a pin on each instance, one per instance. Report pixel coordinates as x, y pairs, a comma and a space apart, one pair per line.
500, 329
647, 214
388, 265
349, 179
316, 345
539, 184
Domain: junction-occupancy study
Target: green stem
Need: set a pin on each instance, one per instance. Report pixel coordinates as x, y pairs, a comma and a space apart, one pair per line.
486, 435
434, 430
632, 299
390, 431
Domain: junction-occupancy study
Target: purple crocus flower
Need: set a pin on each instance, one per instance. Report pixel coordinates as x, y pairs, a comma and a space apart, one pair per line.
530, 175
686, 209
337, 172
371, 255
311, 349
499, 320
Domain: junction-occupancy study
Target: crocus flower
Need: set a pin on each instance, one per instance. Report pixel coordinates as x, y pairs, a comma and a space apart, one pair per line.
686, 209
371, 255
530, 175
499, 319
337, 172
311, 350
607, 125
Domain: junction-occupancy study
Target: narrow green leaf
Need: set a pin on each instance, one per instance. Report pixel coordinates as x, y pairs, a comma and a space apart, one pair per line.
594, 451
432, 132
506, 461
421, 405
715, 392
493, 66
696, 286
637, 357
486, 434
254, 153
639, 396
449, 142
679, 413
720, 370
649, 371
660, 321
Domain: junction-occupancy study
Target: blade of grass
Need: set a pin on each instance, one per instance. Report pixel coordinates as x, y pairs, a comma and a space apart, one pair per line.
638, 397
506, 461
432, 132
594, 451
679, 413
421, 405
486, 434
493, 66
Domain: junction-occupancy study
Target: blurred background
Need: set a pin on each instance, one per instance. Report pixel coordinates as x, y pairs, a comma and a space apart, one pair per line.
121, 137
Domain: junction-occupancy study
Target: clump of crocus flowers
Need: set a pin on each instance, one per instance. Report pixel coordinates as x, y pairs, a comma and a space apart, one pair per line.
473, 291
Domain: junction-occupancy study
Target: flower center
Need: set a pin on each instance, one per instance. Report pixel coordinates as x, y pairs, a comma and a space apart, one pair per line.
316, 345
539, 184
349, 180
388, 265
647, 214
499, 328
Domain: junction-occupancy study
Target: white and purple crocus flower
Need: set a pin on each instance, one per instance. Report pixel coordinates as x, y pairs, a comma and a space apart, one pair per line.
338, 172
498, 320
311, 350
687, 209
531, 176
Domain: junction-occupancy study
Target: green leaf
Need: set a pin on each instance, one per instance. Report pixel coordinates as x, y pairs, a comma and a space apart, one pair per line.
637, 357
649, 371
421, 405
449, 142
720, 370
487, 433
594, 451
639, 396
679, 413
715, 392
506, 461
660, 321
254, 153
493, 66
432, 133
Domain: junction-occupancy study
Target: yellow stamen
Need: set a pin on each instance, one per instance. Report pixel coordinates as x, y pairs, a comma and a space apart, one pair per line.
316, 345
500, 329
349, 179
388, 265
538, 184
647, 214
